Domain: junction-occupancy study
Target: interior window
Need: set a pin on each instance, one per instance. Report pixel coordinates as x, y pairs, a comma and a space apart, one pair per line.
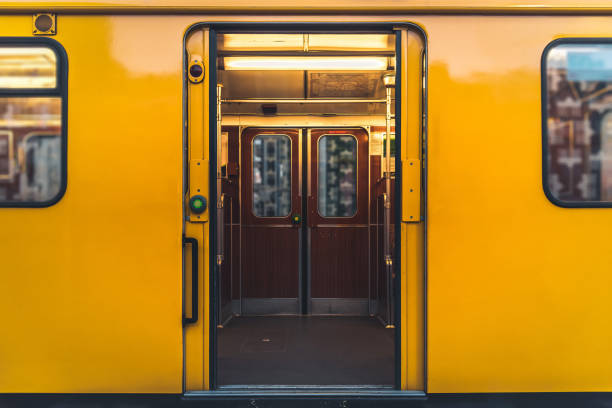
337, 175
578, 127
271, 175
32, 144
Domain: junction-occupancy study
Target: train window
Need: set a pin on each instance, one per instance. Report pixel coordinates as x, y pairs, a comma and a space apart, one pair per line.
32, 122
577, 107
337, 175
271, 175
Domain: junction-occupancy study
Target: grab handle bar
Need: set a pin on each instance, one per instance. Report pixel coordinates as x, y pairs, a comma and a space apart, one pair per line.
194, 281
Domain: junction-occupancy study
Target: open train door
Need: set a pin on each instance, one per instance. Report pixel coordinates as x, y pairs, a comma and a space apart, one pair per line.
206, 249
198, 188
411, 182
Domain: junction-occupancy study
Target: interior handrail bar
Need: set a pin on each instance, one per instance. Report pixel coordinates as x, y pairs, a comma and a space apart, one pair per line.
302, 100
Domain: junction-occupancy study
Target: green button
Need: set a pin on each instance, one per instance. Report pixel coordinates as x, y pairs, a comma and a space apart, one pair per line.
197, 204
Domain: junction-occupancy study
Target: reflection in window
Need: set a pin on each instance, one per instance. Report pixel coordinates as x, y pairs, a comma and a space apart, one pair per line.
6, 144
579, 122
271, 175
30, 149
27, 67
337, 176
42, 176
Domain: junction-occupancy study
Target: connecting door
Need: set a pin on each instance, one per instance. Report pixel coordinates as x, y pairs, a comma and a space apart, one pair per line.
337, 248
338, 221
271, 218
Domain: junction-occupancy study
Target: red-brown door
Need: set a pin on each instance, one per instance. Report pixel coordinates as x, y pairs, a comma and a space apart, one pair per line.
271, 200
338, 221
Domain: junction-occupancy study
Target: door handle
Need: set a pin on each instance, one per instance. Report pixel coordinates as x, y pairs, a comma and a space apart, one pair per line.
194, 281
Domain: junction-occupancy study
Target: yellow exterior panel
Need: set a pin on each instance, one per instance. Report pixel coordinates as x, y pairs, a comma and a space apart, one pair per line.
518, 289
90, 288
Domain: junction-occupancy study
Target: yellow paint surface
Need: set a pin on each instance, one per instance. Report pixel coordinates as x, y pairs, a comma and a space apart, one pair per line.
412, 228
90, 288
517, 291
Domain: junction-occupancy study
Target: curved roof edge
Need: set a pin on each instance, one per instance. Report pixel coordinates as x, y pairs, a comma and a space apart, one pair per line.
312, 6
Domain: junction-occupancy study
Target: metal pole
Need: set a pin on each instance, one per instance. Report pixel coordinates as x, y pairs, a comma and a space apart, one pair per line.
221, 197
387, 213
301, 100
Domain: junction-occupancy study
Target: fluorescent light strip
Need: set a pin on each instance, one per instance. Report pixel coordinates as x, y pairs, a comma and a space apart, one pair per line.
305, 63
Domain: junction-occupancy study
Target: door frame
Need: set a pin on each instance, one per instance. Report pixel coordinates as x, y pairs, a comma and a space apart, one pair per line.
297, 27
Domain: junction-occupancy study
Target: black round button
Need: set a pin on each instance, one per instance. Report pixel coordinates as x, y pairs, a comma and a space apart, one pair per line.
196, 71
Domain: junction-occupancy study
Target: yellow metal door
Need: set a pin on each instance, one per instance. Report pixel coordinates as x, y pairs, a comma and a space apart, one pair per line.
197, 225
412, 226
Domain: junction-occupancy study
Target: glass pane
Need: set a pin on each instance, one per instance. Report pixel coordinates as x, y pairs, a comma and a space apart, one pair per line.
30, 149
337, 176
271, 175
27, 67
579, 123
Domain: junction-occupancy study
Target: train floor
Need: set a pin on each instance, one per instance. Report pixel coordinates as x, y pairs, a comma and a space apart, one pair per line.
305, 350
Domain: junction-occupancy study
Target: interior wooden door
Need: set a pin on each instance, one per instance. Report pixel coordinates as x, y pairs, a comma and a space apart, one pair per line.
338, 221
271, 201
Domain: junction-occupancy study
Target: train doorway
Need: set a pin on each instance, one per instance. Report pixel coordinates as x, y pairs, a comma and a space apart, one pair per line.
304, 261
303, 311
303, 289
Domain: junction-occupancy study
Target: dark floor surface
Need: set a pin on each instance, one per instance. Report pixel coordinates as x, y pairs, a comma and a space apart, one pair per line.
305, 350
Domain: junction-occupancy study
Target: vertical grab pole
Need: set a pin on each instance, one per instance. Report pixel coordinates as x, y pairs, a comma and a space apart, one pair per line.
220, 205
389, 81
221, 196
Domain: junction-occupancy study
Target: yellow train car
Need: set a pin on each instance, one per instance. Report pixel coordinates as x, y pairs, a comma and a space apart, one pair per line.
305, 202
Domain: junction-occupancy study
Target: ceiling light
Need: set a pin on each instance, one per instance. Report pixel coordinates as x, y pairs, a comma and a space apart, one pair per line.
306, 63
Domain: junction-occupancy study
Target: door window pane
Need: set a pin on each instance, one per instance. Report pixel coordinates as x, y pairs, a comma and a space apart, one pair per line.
579, 122
30, 149
337, 175
271, 175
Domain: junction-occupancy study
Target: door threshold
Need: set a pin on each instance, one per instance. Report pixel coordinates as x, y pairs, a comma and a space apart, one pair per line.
265, 391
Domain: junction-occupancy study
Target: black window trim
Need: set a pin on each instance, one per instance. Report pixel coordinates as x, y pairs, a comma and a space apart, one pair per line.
544, 81
61, 91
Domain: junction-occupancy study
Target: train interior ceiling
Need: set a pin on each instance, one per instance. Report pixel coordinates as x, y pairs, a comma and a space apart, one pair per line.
305, 286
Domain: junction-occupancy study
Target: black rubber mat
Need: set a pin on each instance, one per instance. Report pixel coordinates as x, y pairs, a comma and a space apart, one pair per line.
308, 350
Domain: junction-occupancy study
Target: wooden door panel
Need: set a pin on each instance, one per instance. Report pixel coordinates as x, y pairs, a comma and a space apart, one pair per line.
270, 195
339, 262
338, 218
270, 262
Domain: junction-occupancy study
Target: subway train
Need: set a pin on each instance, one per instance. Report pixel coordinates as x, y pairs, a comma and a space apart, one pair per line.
402, 203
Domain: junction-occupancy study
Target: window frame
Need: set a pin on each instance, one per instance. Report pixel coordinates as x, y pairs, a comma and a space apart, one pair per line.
544, 99
59, 91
